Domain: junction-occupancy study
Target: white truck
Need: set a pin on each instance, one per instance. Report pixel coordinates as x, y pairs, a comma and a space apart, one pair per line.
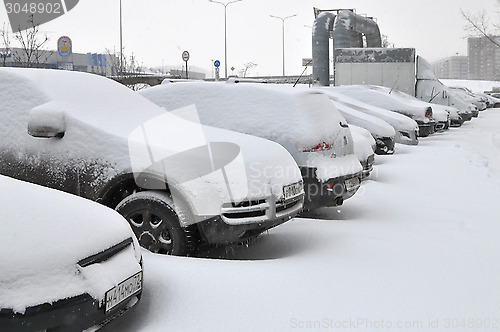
398, 69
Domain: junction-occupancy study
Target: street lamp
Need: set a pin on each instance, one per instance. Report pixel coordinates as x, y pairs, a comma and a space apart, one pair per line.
225, 30
121, 45
283, 35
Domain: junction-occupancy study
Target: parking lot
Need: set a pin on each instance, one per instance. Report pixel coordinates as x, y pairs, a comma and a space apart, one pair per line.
415, 249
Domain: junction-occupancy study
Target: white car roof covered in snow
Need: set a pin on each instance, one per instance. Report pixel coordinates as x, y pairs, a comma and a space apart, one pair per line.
254, 109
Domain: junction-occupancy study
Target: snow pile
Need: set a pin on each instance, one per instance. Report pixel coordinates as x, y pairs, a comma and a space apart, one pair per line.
474, 86
43, 234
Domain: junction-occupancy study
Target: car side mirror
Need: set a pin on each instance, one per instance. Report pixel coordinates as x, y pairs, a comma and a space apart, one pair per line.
46, 121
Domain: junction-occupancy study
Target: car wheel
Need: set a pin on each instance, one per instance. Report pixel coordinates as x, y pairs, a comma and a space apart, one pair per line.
155, 221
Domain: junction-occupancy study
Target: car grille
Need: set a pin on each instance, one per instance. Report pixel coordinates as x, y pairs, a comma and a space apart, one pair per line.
261, 210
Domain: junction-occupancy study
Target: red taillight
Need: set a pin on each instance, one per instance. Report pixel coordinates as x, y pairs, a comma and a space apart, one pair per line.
428, 113
320, 147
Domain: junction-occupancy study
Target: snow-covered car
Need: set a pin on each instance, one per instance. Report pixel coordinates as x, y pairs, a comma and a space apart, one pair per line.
178, 183
470, 97
435, 92
440, 113
491, 102
386, 98
364, 148
66, 263
382, 132
406, 129
304, 121
453, 112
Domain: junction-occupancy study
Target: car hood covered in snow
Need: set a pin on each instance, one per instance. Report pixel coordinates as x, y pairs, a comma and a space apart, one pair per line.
44, 233
298, 120
110, 125
402, 124
385, 98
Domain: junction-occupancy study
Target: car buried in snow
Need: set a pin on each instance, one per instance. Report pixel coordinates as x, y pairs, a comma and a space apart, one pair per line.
66, 263
382, 132
179, 184
406, 129
385, 98
305, 122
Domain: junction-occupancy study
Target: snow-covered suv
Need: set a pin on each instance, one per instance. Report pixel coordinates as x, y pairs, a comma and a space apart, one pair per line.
175, 181
305, 122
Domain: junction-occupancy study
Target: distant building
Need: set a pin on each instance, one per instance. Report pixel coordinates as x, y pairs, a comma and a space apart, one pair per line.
453, 67
104, 64
484, 58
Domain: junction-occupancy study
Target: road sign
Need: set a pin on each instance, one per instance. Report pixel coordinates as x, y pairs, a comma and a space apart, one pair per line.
216, 73
64, 46
307, 62
217, 63
185, 56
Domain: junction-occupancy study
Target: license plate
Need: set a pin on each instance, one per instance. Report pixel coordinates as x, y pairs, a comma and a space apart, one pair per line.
123, 291
292, 190
351, 183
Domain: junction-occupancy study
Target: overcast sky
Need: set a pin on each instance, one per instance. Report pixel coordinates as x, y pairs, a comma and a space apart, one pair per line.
157, 31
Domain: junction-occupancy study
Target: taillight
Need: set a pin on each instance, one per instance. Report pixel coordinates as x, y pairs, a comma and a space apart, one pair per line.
320, 147
428, 112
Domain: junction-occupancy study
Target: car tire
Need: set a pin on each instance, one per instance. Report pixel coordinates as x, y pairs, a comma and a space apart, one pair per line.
155, 222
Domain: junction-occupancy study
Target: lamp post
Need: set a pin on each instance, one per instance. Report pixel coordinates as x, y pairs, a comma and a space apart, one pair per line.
283, 35
225, 30
121, 45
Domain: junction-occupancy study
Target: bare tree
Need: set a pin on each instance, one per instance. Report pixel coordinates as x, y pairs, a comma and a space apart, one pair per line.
33, 47
478, 24
247, 66
4, 34
386, 43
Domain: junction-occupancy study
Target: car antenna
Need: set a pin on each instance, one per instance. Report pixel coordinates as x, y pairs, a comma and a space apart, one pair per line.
305, 68
394, 85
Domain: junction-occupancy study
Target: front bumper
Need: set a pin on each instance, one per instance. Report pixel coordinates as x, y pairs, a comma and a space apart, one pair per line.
73, 314
242, 221
466, 116
367, 166
330, 193
457, 122
441, 125
426, 129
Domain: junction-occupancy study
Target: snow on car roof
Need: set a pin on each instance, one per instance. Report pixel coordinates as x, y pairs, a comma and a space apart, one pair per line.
284, 115
90, 98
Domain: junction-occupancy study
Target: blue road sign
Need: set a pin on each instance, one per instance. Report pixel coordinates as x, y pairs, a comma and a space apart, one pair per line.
216, 63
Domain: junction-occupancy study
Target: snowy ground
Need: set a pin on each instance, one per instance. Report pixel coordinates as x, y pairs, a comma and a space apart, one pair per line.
417, 248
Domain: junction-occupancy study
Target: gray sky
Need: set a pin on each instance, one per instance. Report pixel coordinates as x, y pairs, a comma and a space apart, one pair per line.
157, 31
